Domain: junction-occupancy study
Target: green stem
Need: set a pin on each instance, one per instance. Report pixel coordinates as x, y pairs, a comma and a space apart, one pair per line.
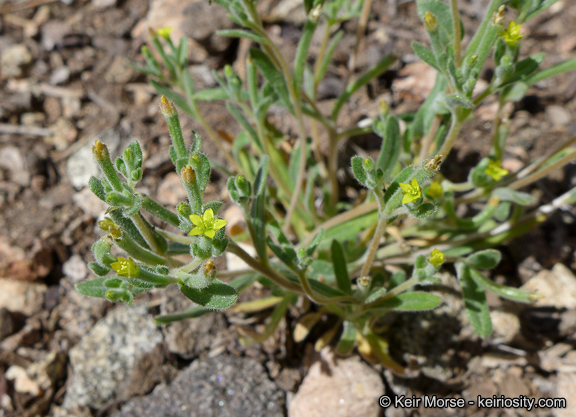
377, 234
318, 299
263, 269
455, 127
341, 218
145, 232
159, 211
457, 32
189, 267
125, 243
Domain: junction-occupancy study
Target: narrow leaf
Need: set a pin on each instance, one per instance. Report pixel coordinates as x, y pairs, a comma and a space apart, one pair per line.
410, 301
503, 291
486, 259
340, 267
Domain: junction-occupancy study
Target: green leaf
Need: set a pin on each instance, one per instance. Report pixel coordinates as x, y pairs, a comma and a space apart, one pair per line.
217, 296
98, 269
566, 66
271, 73
211, 94
97, 188
93, 288
239, 116
340, 267
523, 69
257, 216
425, 54
260, 180
302, 52
410, 301
347, 339
328, 55
537, 7
455, 101
518, 197
358, 170
351, 228
391, 147
475, 302
423, 210
182, 52
443, 16
315, 242
241, 33
190, 313
283, 255
504, 291
486, 259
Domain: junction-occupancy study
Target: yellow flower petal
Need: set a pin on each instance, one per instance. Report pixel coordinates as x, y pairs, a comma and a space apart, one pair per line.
219, 224
405, 187
196, 219
209, 217
196, 231
210, 233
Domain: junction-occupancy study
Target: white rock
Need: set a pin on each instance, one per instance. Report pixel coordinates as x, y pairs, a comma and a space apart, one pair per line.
21, 296
89, 203
337, 387
75, 268
81, 165
22, 382
13, 59
556, 287
12, 160
103, 4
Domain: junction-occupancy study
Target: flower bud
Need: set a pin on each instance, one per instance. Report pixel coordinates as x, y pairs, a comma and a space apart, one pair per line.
100, 151
430, 22
498, 18
188, 175
167, 107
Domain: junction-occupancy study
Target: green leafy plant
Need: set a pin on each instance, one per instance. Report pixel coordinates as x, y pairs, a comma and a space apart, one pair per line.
308, 241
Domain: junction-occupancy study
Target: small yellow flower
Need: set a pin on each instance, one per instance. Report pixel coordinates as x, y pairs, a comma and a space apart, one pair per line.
207, 224
495, 171
165, 32
412, 191
125, 267
434, 190
512, 35
436, 258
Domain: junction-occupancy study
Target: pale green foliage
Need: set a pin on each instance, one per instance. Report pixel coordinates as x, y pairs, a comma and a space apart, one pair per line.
307, 241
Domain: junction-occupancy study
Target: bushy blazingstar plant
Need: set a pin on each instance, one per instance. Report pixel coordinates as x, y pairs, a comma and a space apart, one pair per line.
307, 240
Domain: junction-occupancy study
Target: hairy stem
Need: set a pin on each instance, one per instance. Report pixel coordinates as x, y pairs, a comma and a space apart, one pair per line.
377, 234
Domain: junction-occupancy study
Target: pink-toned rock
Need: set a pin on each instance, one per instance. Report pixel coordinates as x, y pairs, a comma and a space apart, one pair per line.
338, 387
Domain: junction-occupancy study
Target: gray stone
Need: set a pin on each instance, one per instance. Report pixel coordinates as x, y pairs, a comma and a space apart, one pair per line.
21, 297
75, 268
13, 59
12, 160
81, 165
225, 386
103, 4
189, 338
103, 361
